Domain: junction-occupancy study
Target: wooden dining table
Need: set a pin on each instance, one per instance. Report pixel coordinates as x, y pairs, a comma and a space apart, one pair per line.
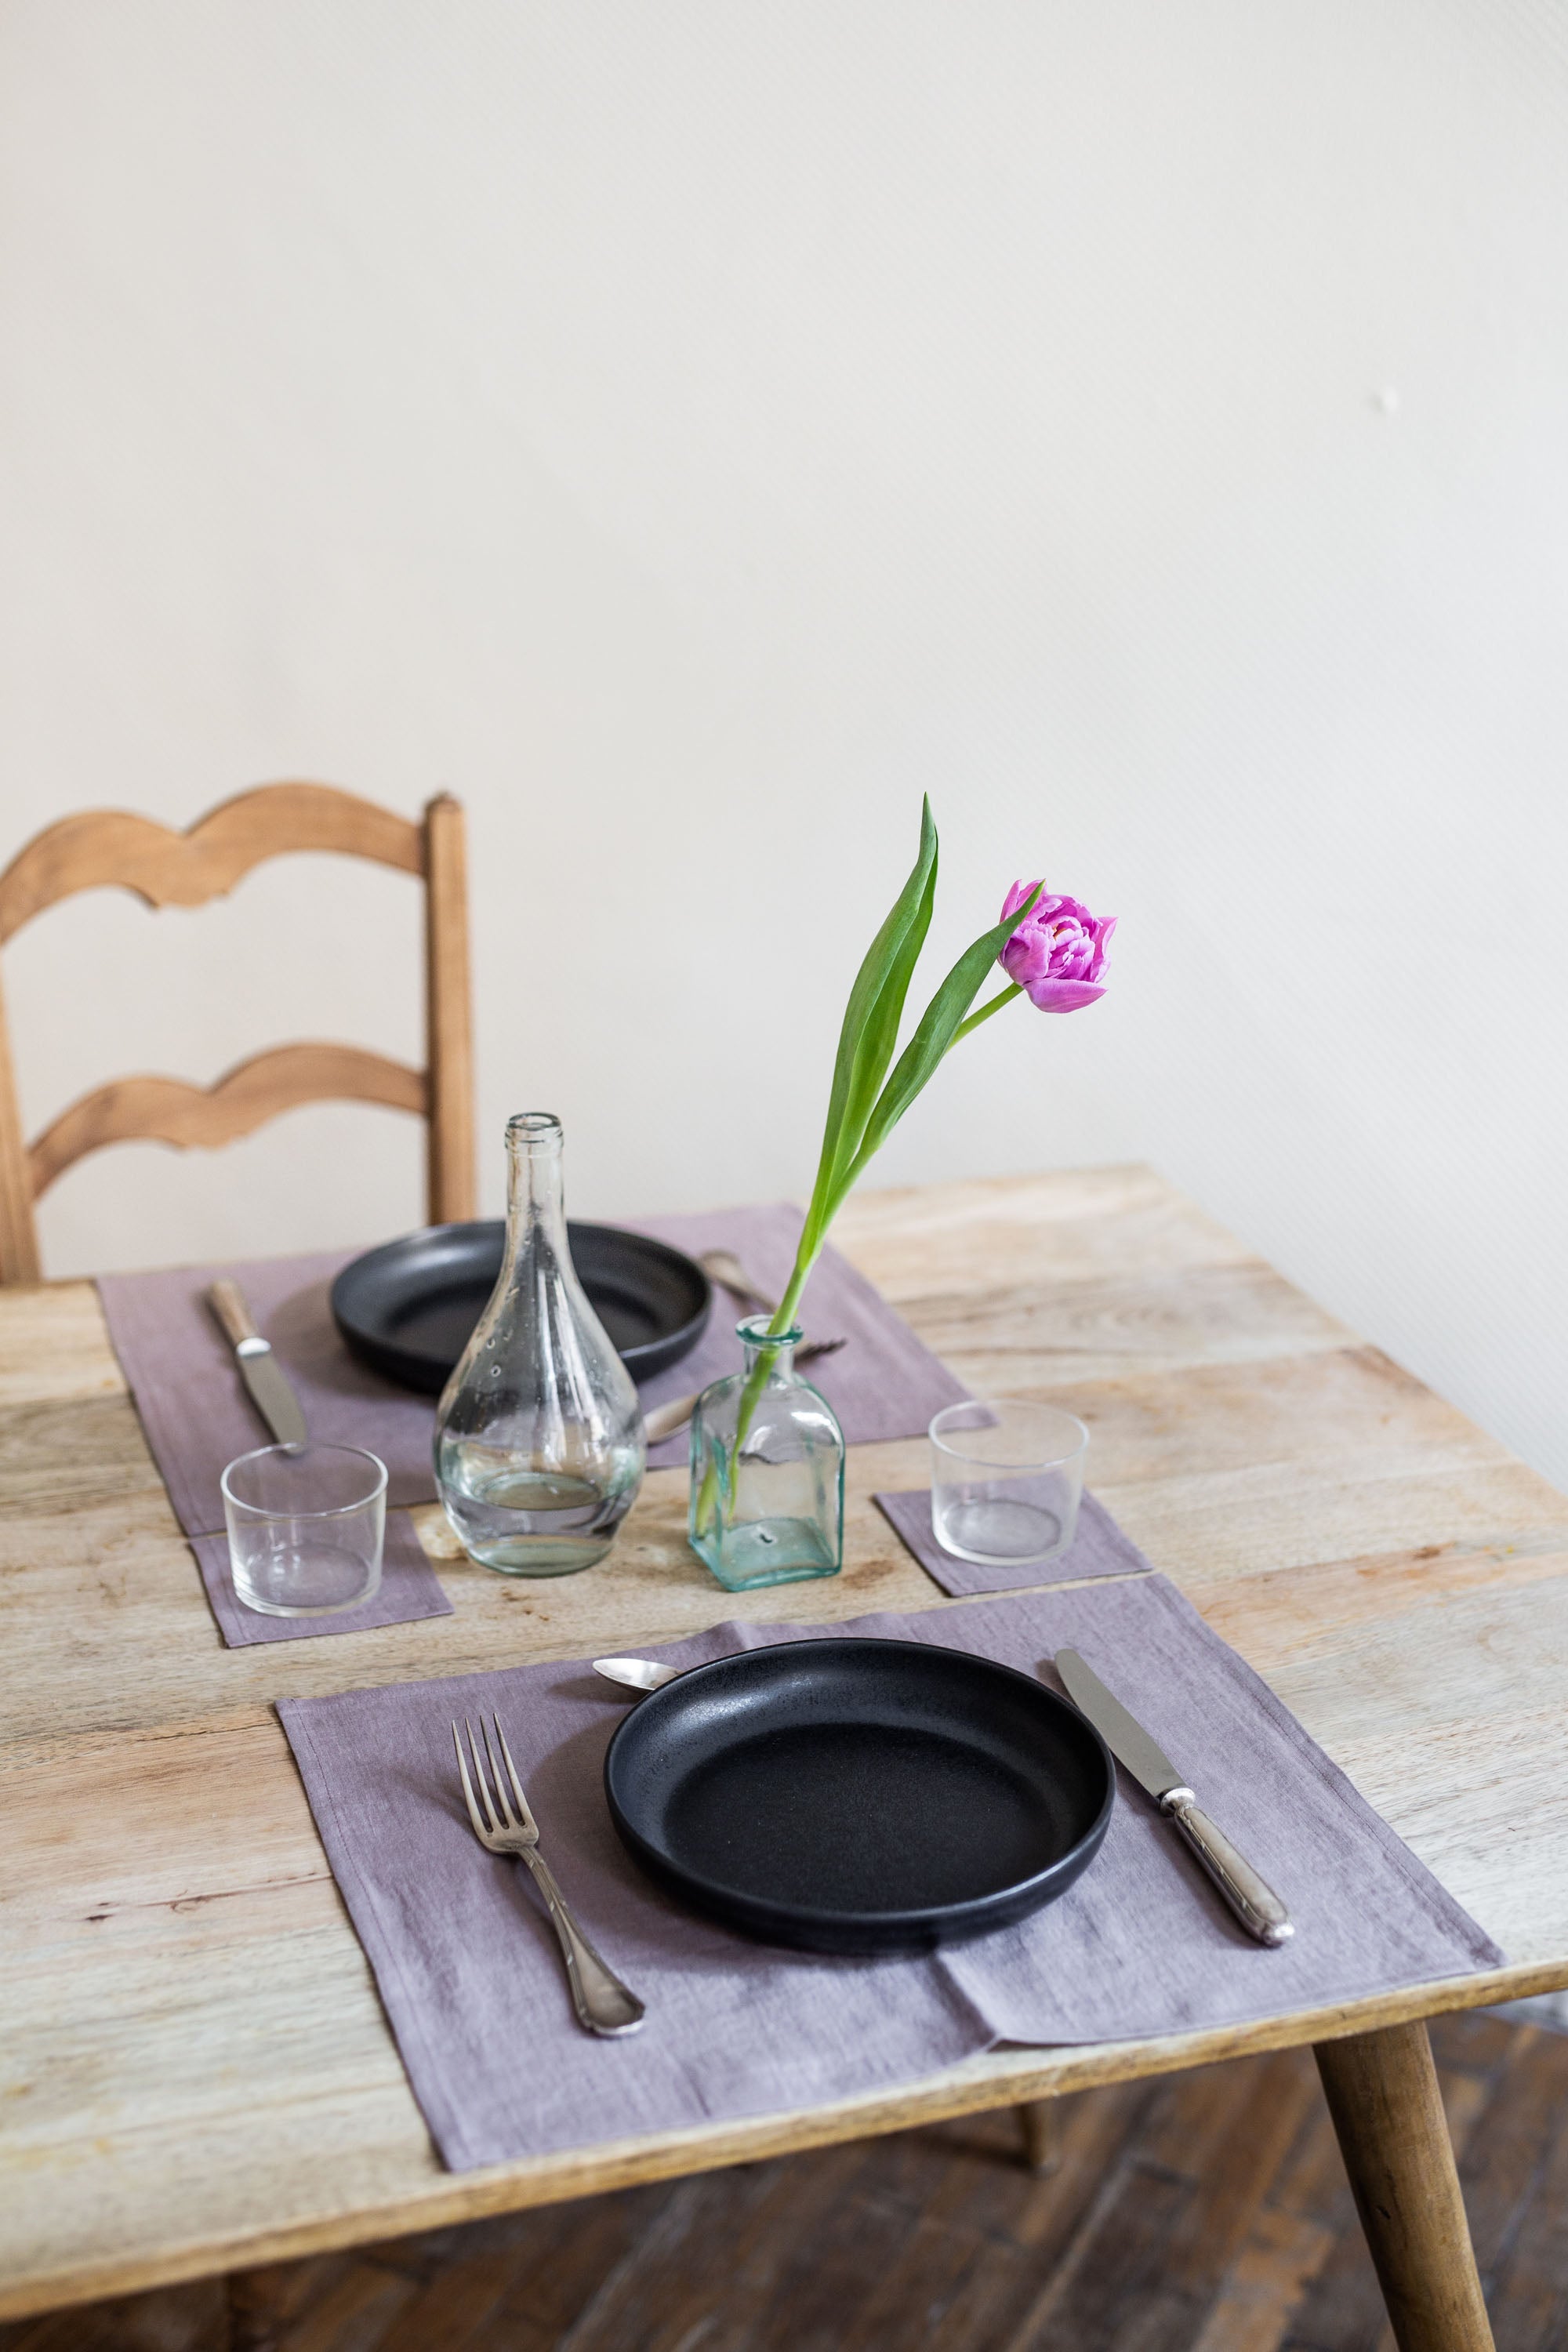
196, 2075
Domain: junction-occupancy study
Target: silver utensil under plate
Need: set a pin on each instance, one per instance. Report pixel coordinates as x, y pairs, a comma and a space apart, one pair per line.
635, 1673
722, 1266
665, 1420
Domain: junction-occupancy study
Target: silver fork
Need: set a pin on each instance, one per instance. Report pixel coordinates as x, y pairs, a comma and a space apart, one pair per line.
602, 2002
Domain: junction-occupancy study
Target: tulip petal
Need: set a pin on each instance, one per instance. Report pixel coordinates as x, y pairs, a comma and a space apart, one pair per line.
1018, 896
1062, 995
1025, 957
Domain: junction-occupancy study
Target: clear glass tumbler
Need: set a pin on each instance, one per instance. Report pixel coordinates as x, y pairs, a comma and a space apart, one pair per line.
1007, 1478
306, 1525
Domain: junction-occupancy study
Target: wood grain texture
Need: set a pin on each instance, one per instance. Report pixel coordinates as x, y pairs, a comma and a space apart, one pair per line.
54, 1349
168, 1111
1206, 2211
111, 848
1381, 2090
195, 2073
1040, 2127
102, 848
18, 1240
451, 1190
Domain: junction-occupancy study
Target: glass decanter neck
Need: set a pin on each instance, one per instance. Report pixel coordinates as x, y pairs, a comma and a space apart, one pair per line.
535, 1197
533, 1135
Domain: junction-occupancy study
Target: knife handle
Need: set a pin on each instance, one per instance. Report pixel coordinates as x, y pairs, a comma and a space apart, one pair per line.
227, 1302
1253, 1902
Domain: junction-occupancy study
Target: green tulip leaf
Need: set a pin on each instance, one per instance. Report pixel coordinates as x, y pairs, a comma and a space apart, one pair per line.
938, 1029
870, 1032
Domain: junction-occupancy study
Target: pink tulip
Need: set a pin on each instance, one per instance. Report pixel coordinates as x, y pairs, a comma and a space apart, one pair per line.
1057, 952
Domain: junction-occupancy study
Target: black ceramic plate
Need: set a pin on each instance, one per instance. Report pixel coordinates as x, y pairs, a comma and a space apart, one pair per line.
859, 1796
407, 1309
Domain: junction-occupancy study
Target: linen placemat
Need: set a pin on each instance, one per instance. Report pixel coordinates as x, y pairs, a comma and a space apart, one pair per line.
885, 1384
198, 1416
1099, 1547
1142, 1946
194, 1408
409, 1588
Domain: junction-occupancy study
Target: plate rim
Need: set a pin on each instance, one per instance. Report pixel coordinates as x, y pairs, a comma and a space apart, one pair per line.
1090, 1843
696, 1324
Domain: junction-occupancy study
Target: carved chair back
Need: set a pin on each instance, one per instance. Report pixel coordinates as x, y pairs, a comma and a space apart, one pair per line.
186, 869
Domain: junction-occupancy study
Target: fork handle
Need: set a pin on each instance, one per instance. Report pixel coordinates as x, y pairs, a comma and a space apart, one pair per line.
730, 1275
602, 2003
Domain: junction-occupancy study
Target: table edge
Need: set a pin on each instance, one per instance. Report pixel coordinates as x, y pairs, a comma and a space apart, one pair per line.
994, 2080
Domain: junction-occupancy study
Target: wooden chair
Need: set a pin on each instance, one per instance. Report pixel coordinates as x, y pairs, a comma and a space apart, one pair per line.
105, 846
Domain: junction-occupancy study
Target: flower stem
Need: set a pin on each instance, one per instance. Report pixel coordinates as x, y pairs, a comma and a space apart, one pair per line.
985, 1012
832, 1185
756, 1381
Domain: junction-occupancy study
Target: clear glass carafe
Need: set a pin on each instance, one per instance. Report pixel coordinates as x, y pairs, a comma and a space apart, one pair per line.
539, 1434
768, 1470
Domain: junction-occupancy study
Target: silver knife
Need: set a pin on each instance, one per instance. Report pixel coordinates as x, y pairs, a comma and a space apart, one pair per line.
258, 1367
1256, 1904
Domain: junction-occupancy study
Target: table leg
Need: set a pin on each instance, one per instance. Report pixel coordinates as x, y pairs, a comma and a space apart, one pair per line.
255, 2321
1037, 2121
1388, 2111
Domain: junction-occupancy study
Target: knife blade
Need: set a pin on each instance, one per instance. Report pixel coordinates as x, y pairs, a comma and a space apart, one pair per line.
258, 1367
1255, 1903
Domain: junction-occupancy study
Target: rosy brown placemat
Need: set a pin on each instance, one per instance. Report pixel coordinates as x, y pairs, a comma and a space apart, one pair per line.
1099, 1547
198, 1416
885, 1384
1140, 1945
409, 1588
195, 1413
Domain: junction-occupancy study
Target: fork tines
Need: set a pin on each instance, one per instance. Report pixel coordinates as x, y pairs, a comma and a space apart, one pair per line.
499, 1817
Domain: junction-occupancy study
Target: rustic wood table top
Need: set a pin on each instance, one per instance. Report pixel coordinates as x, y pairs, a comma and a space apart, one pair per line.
194, 2072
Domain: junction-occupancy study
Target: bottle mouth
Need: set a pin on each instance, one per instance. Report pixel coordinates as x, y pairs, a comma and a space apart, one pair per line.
533, 1130
754, 1330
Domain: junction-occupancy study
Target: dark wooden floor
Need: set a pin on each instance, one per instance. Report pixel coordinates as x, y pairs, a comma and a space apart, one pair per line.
1205, 2213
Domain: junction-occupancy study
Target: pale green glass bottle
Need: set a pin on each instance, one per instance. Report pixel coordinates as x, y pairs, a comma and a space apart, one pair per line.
768, 1470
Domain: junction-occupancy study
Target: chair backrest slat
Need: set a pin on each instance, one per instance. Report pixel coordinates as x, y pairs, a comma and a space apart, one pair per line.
114, 849
168, 1111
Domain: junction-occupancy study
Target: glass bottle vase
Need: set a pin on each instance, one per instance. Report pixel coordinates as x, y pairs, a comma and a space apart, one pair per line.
768, 1470
538, 1436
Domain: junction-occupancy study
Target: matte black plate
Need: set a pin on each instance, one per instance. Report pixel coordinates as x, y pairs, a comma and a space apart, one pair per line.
408, 1308
860, 1796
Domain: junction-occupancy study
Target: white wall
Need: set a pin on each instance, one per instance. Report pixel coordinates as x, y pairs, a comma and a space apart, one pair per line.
689, 431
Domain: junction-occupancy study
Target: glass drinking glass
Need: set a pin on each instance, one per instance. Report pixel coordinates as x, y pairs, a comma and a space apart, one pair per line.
768, 1470
539, 1434
1007, 1478
305, 1528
